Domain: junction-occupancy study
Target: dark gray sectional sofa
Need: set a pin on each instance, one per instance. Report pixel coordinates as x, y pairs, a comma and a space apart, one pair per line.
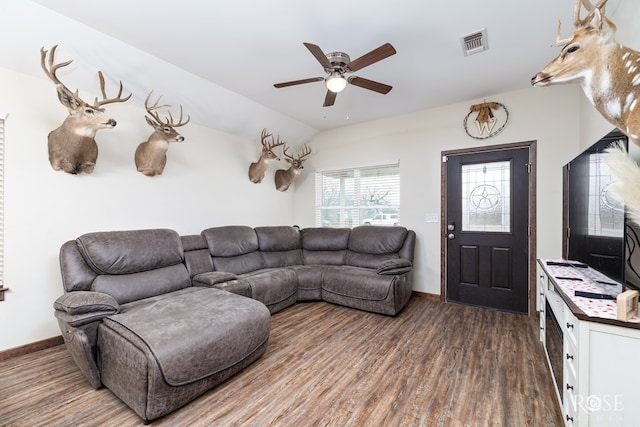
160, 318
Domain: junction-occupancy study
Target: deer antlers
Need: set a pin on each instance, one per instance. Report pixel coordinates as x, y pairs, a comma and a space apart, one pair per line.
577, 22
305, 152
168, 120
266, 146
53, 68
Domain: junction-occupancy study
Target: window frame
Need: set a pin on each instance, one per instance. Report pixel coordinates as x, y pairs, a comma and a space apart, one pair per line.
356, 183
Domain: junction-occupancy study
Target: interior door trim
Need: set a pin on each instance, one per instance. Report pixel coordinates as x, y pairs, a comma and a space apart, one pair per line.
532, 213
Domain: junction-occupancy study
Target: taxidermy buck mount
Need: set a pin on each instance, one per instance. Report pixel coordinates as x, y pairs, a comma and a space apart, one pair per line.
72, 147
285, 177
151, 155
258, 169
608, 72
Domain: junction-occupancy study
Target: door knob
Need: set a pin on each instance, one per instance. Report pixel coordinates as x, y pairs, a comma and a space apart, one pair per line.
451, 236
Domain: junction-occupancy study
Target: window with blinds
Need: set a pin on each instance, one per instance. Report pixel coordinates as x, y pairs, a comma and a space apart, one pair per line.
357, 196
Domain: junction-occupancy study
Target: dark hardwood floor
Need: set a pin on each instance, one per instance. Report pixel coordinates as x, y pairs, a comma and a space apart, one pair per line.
435, 364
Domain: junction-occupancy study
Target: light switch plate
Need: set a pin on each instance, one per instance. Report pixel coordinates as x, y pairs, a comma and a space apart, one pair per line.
432, 217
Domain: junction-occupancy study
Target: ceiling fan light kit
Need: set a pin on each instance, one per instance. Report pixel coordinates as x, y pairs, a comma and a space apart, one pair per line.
337, 64
336, 83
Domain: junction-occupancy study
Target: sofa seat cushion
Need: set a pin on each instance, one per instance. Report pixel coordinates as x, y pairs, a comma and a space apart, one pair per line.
195, 332
309, 282
356, 282
276, 288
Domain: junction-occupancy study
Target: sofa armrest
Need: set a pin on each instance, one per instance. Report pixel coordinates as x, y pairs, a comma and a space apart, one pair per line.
395, 266
82, 307
212, 278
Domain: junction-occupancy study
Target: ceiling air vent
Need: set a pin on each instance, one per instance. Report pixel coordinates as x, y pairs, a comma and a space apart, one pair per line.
475, 42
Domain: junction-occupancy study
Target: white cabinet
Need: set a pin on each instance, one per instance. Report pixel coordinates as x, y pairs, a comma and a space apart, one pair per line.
599, 358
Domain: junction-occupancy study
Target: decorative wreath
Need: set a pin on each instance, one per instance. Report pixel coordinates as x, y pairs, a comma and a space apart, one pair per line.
485, 120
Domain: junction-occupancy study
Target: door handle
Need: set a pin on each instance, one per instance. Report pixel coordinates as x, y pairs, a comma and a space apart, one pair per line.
451, 236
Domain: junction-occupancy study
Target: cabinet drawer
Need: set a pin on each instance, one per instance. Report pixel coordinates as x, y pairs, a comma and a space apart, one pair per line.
571, 329
570, 386
570, 414
556, 303
571, 362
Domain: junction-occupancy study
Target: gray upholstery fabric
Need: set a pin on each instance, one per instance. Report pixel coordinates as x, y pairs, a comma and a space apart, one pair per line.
232, 326
310, 279
325, 246
325, 239
151, 364
278, 238
133, 251
372, 261
231, 240
196, 254
79, 343
211, 278
76, 274
348, 286
238, 287
134, 286
275, 288
126, 371
240, 264
408, 247
394, 266
371, 239
83, 302
282, 258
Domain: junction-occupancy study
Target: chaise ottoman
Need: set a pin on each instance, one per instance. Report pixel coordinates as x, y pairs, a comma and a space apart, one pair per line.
159, 353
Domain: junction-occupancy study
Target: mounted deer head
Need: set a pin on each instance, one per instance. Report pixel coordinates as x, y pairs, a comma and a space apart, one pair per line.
284, 177
258, 169
608, 72
151, 156
72, 147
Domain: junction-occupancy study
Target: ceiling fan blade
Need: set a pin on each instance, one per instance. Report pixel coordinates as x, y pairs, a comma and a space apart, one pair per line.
298, 82
377, 54
370, 84
329, 99
320, 56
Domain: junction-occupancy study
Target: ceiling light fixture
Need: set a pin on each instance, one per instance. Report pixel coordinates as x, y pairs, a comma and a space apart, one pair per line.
336, 82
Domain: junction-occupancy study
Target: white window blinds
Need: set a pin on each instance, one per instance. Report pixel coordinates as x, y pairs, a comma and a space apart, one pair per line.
357, 196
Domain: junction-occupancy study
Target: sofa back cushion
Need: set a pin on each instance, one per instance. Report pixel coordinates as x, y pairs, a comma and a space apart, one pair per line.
280, 246
370, 245
125, 252
326, 246
135, 264
136, 286
234, 248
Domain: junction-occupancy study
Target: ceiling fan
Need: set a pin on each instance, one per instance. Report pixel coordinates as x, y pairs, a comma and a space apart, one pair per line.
337, 64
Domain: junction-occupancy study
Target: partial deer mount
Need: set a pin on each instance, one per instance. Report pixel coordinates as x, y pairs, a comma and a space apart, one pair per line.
284, 177
258, 168
72, 146
151, 155
608, 72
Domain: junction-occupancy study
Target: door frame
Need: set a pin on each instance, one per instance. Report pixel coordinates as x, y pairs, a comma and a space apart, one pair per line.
531, 145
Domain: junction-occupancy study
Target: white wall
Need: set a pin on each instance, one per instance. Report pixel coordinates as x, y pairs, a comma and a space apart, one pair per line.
204, 184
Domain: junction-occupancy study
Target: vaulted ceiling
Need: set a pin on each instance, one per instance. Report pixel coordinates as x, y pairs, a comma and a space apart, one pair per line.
220, 59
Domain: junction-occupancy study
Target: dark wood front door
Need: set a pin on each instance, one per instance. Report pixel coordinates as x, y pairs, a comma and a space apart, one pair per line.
487, 229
